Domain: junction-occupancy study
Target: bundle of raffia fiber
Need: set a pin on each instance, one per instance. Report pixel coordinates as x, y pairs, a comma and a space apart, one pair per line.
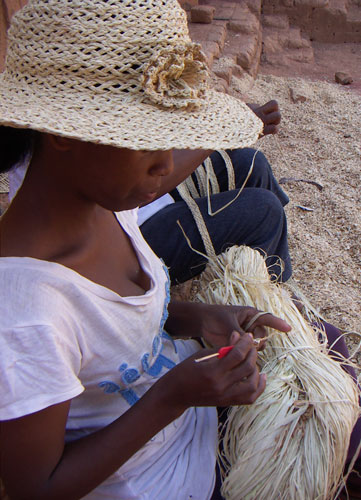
291, 444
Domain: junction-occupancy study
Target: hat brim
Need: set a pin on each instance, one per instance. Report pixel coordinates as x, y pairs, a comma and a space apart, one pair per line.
222, 122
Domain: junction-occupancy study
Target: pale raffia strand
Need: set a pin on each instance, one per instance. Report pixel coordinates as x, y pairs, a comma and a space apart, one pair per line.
208, 185
123, 73
291, 444
4, 183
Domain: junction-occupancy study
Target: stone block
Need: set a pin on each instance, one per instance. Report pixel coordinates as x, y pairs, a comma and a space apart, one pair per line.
208, 33
222, 68
311, 3
224, 11
221, 85
218, 35
211, 51
188, 4
11, 6
255, 6
202, 14
247, 52
279, 22
247, 24
271, 43
198, 32
296, 41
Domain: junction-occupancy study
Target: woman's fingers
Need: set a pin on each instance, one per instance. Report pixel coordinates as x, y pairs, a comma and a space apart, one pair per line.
246, 391
239, 353
246, 368
261, 319
272, 322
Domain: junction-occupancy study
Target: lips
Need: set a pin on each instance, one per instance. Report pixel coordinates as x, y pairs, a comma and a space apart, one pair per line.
148, 197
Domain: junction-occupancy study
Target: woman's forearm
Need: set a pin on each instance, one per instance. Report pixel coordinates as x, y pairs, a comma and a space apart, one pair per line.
87, 462
184, 318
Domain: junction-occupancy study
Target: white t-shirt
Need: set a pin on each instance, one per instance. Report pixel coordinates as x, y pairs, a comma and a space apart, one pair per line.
64, 337
146, 212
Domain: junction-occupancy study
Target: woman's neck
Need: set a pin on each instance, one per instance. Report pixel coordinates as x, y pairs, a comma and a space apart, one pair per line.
47, 218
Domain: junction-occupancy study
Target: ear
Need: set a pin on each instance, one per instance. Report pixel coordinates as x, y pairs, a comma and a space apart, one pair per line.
60, 143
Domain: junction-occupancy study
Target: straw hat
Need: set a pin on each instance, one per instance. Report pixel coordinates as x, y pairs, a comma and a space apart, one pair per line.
123, 73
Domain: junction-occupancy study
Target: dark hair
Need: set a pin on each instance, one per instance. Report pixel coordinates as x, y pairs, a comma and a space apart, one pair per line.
15, 144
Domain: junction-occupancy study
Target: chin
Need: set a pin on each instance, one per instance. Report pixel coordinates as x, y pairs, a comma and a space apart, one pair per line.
117, 206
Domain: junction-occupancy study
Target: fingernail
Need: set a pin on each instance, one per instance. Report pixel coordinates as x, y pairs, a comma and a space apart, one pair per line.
250, 336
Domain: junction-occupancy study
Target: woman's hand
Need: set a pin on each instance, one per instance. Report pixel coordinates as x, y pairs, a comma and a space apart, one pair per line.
232, 380
221, 321
215, 323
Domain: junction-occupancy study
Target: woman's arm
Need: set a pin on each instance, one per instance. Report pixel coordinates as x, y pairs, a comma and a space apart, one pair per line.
37, 465
33, 449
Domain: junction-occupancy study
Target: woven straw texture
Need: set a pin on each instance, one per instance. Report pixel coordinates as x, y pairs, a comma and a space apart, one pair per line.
123, 73
4, 185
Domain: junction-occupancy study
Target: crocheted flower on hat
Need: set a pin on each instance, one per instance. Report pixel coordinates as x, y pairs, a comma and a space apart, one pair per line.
176, 77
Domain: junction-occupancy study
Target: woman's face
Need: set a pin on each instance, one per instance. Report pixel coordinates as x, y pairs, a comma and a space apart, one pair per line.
119, 179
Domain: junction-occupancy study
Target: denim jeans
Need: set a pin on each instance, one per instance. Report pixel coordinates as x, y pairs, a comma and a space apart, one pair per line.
256, 219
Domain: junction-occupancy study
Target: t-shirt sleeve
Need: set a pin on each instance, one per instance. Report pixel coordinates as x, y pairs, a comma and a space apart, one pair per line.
38, 368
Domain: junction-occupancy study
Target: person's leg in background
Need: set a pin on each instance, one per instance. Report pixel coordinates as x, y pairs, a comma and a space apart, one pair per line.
256, 218
261, 176
338, 345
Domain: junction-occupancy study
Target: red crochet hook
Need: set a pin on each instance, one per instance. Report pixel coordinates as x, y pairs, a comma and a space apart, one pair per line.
223, 351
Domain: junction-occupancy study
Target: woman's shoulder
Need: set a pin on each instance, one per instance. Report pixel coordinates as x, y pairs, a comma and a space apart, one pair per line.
31, 289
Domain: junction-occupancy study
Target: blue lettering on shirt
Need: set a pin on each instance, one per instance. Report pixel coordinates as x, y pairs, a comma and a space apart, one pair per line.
129, 375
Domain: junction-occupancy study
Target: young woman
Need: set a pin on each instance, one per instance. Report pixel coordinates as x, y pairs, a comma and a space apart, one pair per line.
100, 394
97, 398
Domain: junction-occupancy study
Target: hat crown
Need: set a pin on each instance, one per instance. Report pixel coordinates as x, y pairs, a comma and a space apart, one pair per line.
96, 44
117, 72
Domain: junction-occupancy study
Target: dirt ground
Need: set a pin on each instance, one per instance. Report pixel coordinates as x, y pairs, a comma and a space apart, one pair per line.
329, 59
319, 141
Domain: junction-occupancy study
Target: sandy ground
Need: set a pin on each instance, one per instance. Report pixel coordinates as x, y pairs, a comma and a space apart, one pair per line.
319, 141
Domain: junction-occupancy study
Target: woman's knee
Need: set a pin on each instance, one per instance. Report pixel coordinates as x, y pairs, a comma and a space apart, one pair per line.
242, 161
270, 206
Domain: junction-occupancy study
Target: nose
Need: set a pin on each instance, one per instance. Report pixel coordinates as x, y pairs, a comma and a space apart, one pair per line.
163, 165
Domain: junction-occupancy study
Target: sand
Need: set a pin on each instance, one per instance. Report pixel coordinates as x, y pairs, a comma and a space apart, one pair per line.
319, 141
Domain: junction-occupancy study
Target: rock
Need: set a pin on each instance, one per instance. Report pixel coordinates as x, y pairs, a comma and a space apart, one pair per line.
220, 85
202, 14
276, 21
188, 4
247, 24
343, 78
211, 51
254, 6
296, 95
223, 68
